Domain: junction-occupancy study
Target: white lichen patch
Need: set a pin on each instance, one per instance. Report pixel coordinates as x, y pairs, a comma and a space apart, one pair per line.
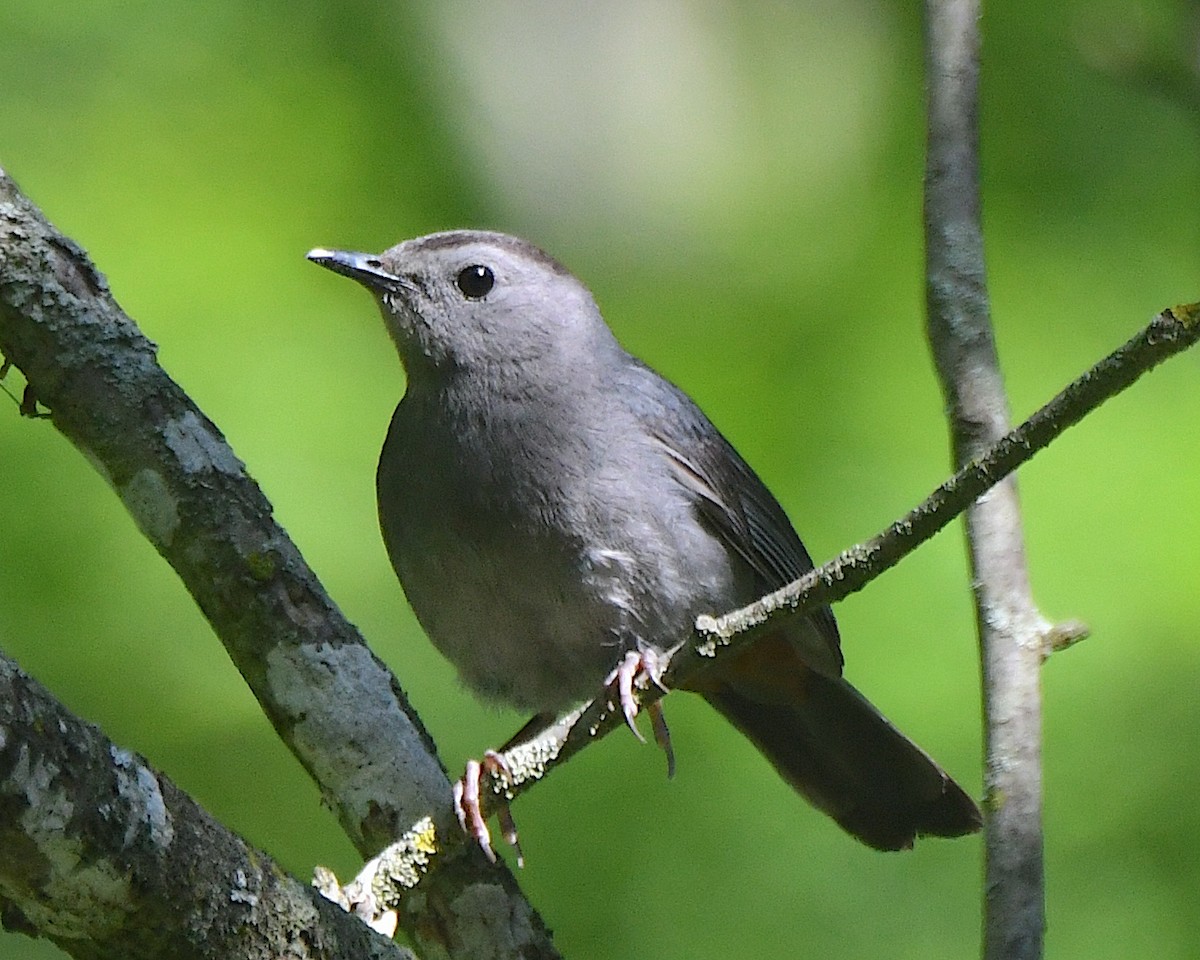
49, 810
384, 879
347, 724
528, 761
138, 787
86, 894
710, 628
241, 891
154, 508
198, 448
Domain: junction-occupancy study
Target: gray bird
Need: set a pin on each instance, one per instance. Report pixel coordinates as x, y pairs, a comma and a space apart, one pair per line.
552, 506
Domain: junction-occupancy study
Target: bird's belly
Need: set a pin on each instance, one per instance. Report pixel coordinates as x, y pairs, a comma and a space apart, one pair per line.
527, 624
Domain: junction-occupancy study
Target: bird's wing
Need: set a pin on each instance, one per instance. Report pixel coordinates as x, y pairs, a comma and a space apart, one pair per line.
730, 498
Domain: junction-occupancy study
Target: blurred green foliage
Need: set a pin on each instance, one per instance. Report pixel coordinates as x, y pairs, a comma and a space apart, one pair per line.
740, 185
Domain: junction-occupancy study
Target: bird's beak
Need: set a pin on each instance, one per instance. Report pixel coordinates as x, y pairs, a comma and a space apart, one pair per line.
366, 268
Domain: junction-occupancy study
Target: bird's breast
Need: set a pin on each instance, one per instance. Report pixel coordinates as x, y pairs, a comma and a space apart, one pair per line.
533, 564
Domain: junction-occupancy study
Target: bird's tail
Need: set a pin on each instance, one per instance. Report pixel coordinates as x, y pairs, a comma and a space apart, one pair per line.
830, 743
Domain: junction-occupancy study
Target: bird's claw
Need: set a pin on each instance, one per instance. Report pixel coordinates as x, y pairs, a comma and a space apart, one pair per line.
638, 668
641, 668
470, 813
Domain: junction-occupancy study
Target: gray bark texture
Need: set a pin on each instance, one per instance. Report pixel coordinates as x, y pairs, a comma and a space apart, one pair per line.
110, 860
1013, 636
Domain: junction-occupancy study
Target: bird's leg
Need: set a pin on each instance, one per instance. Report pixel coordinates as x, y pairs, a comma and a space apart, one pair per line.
469, 812
467, 792
638, 668
642, 667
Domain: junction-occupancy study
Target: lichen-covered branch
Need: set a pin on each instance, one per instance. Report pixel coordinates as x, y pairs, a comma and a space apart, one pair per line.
109, 859
338, 709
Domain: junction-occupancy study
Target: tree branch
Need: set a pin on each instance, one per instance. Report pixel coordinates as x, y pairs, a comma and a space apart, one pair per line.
109, 859
1013, 636
338, 709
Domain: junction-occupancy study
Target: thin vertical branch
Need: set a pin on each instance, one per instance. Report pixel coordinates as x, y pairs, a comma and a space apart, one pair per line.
1012, 634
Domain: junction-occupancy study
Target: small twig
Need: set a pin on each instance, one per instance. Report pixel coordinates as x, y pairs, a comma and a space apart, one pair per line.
1064, 635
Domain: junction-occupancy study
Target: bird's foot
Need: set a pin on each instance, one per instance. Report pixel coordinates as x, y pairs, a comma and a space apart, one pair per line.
640, 668
470, 813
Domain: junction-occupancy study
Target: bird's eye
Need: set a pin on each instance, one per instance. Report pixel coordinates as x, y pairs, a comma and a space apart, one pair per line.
476, 281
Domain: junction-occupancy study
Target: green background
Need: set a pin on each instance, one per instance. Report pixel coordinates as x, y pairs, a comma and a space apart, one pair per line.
740, 186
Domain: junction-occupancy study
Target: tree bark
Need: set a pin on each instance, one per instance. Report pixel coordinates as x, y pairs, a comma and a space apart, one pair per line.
1013, 636
109, 859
